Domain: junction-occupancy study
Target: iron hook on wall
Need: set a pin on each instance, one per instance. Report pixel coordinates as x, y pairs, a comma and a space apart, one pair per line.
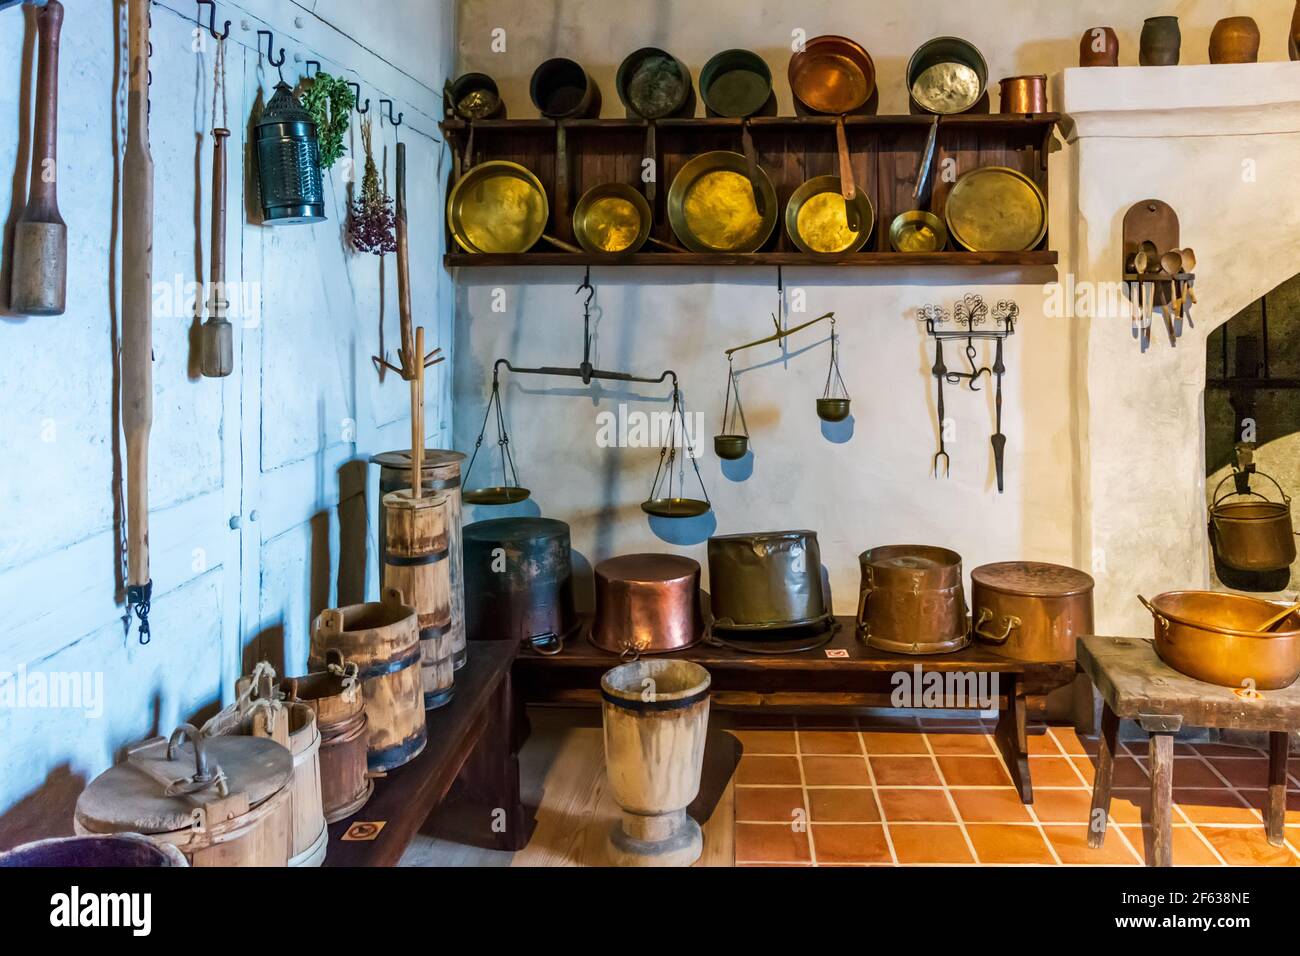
395, 122
356, 89
212, 20
309, 64
270, 47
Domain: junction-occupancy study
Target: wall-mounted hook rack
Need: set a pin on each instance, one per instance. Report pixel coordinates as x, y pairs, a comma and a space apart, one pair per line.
395, 122
212, 20
356, 89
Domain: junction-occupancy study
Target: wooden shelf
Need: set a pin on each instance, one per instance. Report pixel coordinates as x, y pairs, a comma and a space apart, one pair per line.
571, 156
1044, 258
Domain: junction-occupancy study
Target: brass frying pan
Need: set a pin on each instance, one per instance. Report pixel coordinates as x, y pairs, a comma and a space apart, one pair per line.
817, 217
834, 75
497, 206
612, 219
711, 205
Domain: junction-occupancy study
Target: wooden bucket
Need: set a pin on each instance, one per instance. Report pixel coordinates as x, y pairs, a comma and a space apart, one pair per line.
383, 640
655, 715
416, 563
310, 834
335, 697
250, 826
441, 474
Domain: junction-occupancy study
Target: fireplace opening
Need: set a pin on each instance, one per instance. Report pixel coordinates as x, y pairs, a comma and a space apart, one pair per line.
1252, 415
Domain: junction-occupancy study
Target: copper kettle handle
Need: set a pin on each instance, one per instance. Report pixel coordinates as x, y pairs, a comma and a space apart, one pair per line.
863, 594
1160, 618
1012, 622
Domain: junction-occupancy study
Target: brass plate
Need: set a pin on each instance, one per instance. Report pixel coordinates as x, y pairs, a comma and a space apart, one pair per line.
947, 88
501, 495
611, 219
816, 221
675, 507
711, 205
917, 231
995, 209
497, 207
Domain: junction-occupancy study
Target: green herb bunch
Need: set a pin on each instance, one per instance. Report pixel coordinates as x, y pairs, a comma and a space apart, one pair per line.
330, 100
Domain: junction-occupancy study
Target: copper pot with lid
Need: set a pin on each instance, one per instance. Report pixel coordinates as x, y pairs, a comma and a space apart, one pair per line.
1029, 610
647, 604
912, 600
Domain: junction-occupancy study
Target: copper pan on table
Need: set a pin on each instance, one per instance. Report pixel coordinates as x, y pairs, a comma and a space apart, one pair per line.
834, 75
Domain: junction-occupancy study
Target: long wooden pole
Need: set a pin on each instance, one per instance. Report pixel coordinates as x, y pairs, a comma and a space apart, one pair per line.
410, 356
417, 418
137, 318
217, 351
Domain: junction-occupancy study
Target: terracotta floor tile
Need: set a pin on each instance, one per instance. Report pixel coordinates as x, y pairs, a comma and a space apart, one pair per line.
768, 804
972, 743
755, 720
1226, 750
836, 772
1189, 850
894, 742
1043, 745
765, 741
915, 806
770, 843
1062, 806
829, 742
895, 771
921, 843
1071, 845
768, 770
1195, 774
1130, 806
770, 866
1248, 846
851, 843
1259, 800
1127, 773
1244, 774
1072, 743
991, 806
973, 771
1002, 843
841, 805
1214, 806
1053, 772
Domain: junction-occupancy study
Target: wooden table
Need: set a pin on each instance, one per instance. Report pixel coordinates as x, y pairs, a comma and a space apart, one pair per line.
476, 737
1136, 684
844, 673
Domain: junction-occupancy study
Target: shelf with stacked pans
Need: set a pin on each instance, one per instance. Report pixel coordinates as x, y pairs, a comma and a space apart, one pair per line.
835, 184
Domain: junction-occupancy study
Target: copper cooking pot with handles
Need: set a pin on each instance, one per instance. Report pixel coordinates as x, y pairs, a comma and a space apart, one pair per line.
1029, 610
912, 600
1253, 533
647, 604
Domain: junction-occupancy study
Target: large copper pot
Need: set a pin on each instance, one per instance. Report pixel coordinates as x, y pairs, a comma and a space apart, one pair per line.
647, 604
912, 600
1253, 534
1030, 611
1214, 636
766, 581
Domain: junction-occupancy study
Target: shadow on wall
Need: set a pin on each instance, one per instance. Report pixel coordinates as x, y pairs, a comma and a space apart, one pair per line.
45, 812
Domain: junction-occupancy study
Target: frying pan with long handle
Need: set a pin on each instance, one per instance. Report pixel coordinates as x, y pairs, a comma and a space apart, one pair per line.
834, 75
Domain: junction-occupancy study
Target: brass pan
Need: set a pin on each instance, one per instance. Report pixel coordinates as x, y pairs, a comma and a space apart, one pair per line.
675, 507
612, 219
816, 217
497, 206
711, 205
917, 231
499, 495
996, 209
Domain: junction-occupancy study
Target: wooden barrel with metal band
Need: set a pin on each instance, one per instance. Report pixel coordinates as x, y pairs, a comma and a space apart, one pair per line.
382, 639
335, 696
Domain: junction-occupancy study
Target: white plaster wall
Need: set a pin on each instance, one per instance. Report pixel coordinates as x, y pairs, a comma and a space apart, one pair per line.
277, 450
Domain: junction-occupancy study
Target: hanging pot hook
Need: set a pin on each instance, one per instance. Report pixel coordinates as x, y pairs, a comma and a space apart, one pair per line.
270, 55
309, 64
395, 122
212, 20
356, 89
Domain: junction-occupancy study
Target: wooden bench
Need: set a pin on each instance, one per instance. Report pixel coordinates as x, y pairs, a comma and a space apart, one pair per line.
843, 674
475, 738
1135, 684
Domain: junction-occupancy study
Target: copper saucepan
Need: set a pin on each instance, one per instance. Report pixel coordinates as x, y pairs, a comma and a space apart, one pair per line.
834, 75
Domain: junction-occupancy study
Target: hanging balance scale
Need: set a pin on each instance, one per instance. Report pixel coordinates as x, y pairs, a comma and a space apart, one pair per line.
667, 498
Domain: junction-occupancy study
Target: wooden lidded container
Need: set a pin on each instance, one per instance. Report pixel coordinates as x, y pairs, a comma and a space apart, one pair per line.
383, 639
172, 793
416, 563
440, 472
335, 697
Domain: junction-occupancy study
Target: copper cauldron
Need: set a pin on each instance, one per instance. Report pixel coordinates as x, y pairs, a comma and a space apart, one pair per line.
1213, 636
912, 600
1030, 611
647, 604
1253, 534
766, 581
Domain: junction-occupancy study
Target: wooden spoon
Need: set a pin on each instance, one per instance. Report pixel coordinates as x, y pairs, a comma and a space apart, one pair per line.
1277, 619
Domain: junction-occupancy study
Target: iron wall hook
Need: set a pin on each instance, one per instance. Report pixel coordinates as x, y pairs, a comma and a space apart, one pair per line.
309, 64
356, 89
270, 46
395, 122
212, 20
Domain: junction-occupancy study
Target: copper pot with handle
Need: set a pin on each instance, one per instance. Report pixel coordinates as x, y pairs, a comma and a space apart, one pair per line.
1030, 611
647, 604
1253, 533
912, 600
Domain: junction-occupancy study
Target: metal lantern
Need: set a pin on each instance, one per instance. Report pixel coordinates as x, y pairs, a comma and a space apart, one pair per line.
288, 162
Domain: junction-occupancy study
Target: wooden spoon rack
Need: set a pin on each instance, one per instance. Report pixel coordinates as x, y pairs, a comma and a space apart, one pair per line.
570, 156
